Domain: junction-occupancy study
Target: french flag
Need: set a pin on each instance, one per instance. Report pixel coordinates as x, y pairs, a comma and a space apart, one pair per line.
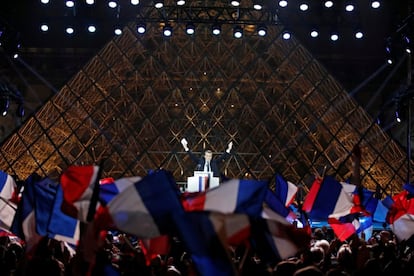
145, 208
282, 237
401, 214
329, 198
232, 196
78, 184
109, 188
204, 236
285, 190
24, 222
7, 206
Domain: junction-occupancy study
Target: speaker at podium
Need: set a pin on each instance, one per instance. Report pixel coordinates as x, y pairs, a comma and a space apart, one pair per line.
201, 181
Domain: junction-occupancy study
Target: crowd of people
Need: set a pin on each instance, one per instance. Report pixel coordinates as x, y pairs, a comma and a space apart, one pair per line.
122, 254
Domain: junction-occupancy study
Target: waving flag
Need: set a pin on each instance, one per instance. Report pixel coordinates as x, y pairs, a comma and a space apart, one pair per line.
285, 190
331, 200
145, 208
78, 185
401, 214
274, 233
7, 207
109, 187
205, 238
24, 223
233, 196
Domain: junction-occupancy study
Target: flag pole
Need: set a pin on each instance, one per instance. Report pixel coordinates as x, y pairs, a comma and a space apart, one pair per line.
95, 195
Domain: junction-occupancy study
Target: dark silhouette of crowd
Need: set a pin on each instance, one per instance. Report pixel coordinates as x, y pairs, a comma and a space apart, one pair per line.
122, 254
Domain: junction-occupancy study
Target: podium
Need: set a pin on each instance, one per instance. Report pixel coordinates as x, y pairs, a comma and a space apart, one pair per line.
201, 181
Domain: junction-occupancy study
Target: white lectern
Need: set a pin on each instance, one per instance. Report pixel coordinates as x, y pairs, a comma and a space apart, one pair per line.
201, 181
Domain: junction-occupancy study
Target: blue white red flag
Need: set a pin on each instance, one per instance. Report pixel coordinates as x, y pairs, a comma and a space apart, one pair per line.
401, 214
234, 196
7, 206
78, 184
285, 190
145, 208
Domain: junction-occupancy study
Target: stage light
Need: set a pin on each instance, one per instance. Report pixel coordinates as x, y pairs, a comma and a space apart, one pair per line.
44, 27
304, 6
159, 4
286, 35
44, 1
261, 30
349, 6
4, 106
407, 44
314, 33
235, 3
141, 28
257, 5
134, 2
216, 29
375, 4
91, 28
180, 2
167, 30
283, 3
237, 32
397, 117
70, 30
334, 36
90, 2
328, 4
359, 34
70, 3
112, 4
190, 28
117, 31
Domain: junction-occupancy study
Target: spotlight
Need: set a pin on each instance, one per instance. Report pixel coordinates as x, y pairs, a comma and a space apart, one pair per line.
141, 28
304, 6
190, 28
117, 31
359, 34
44, 27
167, 30
159, 4
44, 1
375, 4
4, 106
180, 2
70, 30
397, 117
90, 2
91, 28
407, 44
134, 2
314, 33
112, 4
334, 36
235, 3
261, 30
283, 3
216, 29
237, 32
349, 6
257, 5
286, 35
70, 3
328, 4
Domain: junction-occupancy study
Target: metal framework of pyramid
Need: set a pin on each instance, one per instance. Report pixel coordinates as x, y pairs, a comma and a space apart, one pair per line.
134, 101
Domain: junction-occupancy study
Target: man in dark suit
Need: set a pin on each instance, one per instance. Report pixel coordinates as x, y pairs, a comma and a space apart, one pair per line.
206, 162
